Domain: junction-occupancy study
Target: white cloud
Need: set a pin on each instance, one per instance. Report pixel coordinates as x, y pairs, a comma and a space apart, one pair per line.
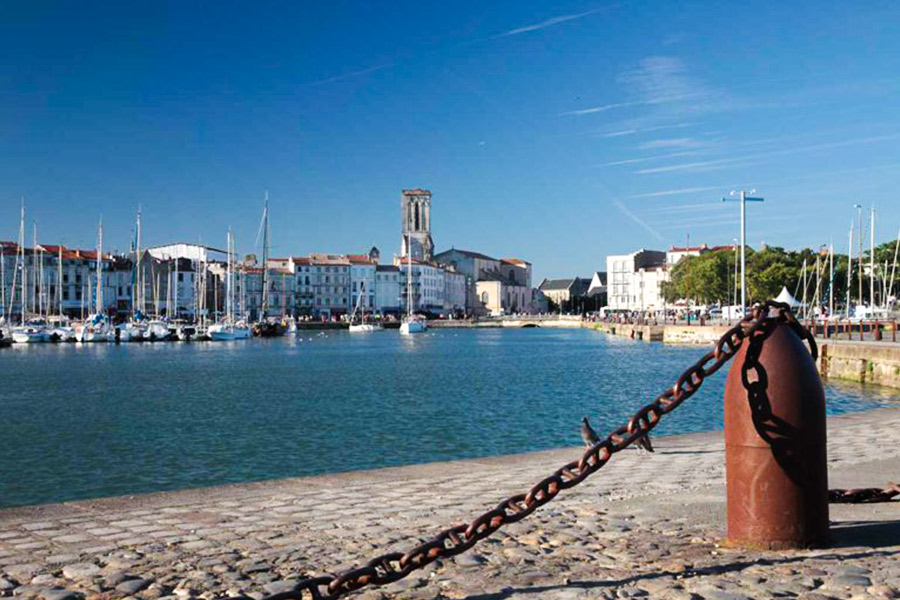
631, 161
625, 211
352, 74
681, 191
671, 143
763, 157
551, 22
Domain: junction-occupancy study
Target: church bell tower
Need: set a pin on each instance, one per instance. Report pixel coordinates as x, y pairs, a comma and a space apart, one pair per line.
416, 211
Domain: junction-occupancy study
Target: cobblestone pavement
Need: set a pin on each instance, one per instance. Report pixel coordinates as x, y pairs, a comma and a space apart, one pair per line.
645, 526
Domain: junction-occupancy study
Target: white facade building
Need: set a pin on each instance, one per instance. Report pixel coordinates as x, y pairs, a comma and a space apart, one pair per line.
331, 283
190, 251
634, 281
455, 291
387, 289
362, 282
427, 285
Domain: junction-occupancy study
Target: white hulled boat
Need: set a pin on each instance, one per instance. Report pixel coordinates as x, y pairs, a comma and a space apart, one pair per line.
30, 333
95, 328
361, 326
412, 323
229, 329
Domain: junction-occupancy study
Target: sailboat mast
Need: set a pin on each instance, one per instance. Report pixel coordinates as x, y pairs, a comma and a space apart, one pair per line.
24, 266
804, 289
37, 261
859, 259
849, 269
890, 288
831, 280
872, 260
409, 307
229, 280
140, 272
59, 282
818, 298
265, 261
2, 283
175, 290
100, 307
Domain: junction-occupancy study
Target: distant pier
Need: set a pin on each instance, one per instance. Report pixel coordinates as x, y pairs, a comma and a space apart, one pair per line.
876, 362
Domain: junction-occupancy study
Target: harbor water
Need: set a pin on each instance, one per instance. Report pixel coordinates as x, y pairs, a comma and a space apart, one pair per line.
84, 421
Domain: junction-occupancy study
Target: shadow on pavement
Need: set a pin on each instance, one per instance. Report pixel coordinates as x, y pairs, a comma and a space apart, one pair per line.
728, 567
874, 534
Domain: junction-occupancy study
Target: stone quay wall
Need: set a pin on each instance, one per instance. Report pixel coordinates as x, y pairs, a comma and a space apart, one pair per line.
862, 362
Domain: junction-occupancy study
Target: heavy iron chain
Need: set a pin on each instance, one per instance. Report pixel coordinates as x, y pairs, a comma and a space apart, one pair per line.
394, 566
864, 495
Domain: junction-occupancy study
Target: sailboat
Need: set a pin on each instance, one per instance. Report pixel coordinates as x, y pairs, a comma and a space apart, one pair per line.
97, 328
229, 329
412, 323
62, 332
362, 326
29, 332
266, 327
134, 330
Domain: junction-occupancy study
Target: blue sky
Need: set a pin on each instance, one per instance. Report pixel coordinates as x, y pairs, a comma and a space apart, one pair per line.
556, 132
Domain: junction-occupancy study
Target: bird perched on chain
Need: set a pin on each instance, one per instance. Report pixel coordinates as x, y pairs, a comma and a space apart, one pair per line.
643, 443
588, 434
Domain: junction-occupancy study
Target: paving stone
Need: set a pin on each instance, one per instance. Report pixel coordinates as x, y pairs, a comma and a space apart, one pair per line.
60, 594
132, 586
630, 533
80, 571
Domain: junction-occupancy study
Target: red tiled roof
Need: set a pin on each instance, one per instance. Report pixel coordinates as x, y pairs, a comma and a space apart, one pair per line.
328, 259
699, 248
515, 261
301, 260
359, 258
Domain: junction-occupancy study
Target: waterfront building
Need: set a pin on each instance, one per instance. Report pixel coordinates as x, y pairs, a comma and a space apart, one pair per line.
473, 265
512, 273
362, 281
416, 214
77, 293
387, 289
195, 252
564, 293
8, 297
456, 288
427, 285
331, 283
636, 280
282, 289
597, 289
304, 289
499, 296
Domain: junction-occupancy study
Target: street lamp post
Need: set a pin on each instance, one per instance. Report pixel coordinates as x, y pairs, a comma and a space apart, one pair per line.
744, 199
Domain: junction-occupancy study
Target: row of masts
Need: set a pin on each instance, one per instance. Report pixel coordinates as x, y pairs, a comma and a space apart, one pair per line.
37, 303
822, 293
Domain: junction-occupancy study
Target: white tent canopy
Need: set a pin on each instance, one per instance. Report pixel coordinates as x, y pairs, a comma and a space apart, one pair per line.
786, 298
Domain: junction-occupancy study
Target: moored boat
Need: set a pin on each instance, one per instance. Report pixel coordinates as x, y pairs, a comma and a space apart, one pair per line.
30, 334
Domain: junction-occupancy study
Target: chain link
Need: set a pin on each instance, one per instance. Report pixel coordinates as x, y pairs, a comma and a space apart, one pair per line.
455, 540
864, 495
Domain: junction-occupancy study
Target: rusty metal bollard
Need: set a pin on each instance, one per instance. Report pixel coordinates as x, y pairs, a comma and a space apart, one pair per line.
775, 453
